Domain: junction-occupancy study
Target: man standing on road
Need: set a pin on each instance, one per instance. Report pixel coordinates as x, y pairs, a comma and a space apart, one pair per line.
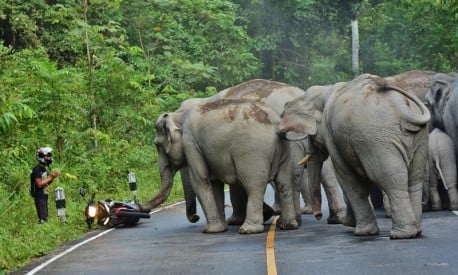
40, 179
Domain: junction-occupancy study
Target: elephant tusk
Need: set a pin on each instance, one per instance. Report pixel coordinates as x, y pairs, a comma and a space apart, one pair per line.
305, 159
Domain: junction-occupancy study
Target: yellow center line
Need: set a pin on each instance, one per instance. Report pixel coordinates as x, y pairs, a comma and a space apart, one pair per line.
270, 249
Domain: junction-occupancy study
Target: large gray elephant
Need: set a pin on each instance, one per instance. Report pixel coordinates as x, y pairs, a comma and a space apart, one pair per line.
374, 134
442, 166
442, 101
269, 93
229, 141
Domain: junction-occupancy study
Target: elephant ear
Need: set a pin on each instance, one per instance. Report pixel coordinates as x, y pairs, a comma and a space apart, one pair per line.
310, 123
308, 127
441, 89
312, 119
172, 133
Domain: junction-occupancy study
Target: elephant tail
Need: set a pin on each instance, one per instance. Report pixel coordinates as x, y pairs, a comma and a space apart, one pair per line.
441, 174
411, 121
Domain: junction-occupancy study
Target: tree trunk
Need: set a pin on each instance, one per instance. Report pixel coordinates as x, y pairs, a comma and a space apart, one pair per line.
355, 47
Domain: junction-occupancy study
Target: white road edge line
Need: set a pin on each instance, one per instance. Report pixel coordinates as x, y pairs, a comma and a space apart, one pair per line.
43, 265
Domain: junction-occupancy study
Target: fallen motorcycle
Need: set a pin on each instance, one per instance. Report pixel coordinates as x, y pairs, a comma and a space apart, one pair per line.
114, 213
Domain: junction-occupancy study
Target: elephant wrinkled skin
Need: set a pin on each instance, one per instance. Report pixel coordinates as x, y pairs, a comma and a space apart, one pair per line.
229, 141
374, 134
268, 93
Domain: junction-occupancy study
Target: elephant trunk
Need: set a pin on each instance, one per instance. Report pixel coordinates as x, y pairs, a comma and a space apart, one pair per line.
314, 166
166, 186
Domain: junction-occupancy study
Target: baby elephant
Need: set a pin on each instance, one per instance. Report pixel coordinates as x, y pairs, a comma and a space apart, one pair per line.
442, 166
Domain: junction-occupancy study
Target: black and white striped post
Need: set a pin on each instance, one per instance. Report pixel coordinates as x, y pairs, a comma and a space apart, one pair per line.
133, 184
60, 204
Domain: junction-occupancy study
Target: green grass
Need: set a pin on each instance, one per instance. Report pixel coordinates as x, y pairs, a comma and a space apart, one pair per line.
21, 237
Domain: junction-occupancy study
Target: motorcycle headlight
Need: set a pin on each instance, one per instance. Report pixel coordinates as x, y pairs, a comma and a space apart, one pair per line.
91, 211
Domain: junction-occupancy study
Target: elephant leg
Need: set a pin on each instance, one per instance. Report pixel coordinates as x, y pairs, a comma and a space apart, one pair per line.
277, 204
307, 208
204, 190
453, 195
349, 218
402, 197
218, 193
449, 174
415, 183
336, 204
254, 219
436, 203
357, 194
305, 193
386, 205
239, 201
425, 197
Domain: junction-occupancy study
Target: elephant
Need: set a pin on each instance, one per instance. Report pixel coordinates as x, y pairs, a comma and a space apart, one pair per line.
442, 165
418, 82
272, 94
230, 141
442, 101
375, 134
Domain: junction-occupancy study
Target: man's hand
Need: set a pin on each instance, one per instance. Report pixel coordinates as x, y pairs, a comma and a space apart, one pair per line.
54, 174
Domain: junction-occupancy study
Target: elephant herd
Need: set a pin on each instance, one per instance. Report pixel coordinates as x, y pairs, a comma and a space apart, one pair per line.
397, 134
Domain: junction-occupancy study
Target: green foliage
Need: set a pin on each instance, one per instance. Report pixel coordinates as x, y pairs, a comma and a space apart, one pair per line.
190, 45
91, 87
399, 35
95, 100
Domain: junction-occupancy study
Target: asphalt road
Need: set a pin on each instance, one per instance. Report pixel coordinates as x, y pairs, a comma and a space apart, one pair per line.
168, 244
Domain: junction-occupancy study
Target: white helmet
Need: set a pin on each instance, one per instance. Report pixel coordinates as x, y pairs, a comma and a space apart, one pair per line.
42, 152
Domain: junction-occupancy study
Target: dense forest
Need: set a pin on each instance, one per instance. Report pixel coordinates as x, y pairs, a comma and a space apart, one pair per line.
89, 78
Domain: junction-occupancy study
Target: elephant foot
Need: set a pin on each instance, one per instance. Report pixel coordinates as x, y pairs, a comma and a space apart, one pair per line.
453, 206
235, 220
333, 220
276, 208
299, 220
249, 228
349, 221
287, 225
408, 232
336, 217
367, 230
425, 207
215, 228
307, 209
436, 207
388, 214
